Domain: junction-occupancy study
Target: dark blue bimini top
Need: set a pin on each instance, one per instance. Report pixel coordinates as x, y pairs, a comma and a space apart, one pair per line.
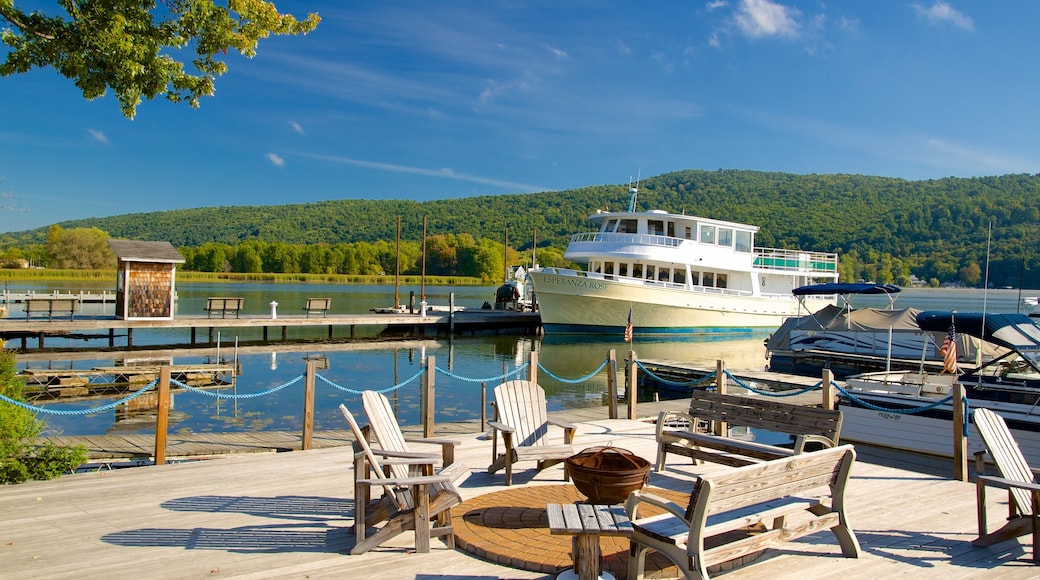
836, 288
1015, 331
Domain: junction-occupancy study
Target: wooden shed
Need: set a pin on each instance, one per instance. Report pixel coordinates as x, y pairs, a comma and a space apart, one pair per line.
145, 279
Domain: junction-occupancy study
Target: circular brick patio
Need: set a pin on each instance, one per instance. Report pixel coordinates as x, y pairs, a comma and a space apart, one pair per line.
510, 527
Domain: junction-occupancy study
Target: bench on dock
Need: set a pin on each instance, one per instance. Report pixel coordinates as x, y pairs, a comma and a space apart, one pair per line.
50, 307
695, 440
223, 306
737, 513
317, 306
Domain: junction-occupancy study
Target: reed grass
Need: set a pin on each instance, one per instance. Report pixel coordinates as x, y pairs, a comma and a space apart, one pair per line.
29, 274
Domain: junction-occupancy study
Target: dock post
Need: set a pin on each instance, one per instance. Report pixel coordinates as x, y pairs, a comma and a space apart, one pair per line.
960, 441
828, 389
483, 406
451, 314
532, 369
612, 389
427, 399
631, 393
721, 388
162, 415
308, 405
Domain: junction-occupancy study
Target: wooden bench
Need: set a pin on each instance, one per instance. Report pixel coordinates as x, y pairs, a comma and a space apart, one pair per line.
223, 306
709, 409
741, 511
50, 307
317, 306
587, 523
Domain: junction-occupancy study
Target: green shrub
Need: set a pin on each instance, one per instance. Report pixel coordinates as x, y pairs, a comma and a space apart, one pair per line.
21, 459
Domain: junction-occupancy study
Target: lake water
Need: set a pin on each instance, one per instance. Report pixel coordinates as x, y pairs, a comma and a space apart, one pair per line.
462, 362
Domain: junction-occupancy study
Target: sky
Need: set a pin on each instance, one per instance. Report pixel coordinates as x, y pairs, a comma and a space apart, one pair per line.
435, 100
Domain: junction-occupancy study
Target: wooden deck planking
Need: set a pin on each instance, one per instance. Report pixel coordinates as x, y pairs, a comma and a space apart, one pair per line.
287, 514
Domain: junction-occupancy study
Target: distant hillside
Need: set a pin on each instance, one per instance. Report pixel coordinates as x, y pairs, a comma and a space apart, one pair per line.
943, 220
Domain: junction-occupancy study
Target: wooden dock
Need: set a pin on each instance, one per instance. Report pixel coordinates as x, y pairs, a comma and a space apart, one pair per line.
104, 297
334, 327
289, 515
69, 384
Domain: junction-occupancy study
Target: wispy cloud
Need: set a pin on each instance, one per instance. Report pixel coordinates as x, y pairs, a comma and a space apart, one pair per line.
983, 160
762, 18
98, 136
444, 172
276, 159
716, 5
943, 13
296, 127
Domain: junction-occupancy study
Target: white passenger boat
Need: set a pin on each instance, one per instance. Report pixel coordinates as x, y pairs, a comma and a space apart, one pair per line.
676, 274
908, 410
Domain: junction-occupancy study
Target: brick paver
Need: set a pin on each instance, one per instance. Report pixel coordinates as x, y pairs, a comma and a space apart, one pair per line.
511, 527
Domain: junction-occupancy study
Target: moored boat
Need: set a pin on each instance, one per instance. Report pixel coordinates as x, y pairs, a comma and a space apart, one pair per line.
850, 340
909, 410
671, 273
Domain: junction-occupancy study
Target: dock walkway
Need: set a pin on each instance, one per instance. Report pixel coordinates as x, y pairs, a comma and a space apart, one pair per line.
288, 515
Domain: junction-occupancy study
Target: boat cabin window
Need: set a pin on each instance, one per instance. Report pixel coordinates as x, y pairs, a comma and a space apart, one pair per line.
680, 277
671, 229
688, 234
720, 280
627, 227
695, 277
650, 272
608, 268
744, 242
708, 279
662, 274
726, 237
610, 225
622, 270
637, 271
655, 227
708, 234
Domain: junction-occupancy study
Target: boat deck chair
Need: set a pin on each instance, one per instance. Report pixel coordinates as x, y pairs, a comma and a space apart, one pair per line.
409, 502
1015, 476
522, 419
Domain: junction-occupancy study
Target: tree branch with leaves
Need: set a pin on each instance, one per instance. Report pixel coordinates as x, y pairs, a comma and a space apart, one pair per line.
131, 46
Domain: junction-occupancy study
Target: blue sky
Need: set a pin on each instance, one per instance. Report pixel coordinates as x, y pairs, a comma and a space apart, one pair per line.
433, 100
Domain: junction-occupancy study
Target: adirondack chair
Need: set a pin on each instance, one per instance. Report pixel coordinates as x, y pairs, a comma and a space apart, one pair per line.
522, 419
1015, 476
409, 502
384, 426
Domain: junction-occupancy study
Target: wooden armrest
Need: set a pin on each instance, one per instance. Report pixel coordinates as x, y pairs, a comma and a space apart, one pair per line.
640, 496
433, 441
405, 481
501, 427
663, 416
801, 440
562, 424
1002, 483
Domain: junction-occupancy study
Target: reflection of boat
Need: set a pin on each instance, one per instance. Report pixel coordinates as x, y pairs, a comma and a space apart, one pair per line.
676, 274
874, 409
851, 340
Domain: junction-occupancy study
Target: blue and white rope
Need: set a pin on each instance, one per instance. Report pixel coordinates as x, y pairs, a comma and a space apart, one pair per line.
218, 395
690, 383
500, 377
383, 391
578, 380
73, 412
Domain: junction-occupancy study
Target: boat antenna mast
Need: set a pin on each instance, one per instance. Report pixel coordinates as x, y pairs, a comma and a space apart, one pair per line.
633, 192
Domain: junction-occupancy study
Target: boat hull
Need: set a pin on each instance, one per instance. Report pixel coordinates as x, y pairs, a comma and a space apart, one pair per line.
929, 432
583, 304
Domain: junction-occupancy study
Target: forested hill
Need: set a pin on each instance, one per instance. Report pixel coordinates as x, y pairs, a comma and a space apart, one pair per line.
932, 225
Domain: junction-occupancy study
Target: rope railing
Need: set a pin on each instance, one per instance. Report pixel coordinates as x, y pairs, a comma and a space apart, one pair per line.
577, 380
389, 389
690, 383
500, 377
757, 391
218, 395
73, 412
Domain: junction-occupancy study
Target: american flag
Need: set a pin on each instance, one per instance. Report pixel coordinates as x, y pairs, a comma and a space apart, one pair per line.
628, 327
949, 350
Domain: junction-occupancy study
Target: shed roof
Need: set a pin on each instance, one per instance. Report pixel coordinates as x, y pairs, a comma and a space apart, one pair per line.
139, 251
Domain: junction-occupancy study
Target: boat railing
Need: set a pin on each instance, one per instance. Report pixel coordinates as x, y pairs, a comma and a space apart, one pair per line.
795, 260
640, 239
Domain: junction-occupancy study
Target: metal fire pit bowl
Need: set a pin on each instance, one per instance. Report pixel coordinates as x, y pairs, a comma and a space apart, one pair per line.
606, 475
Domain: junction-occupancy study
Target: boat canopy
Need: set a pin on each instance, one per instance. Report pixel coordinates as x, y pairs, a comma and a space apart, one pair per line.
836, 288
1015, 331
